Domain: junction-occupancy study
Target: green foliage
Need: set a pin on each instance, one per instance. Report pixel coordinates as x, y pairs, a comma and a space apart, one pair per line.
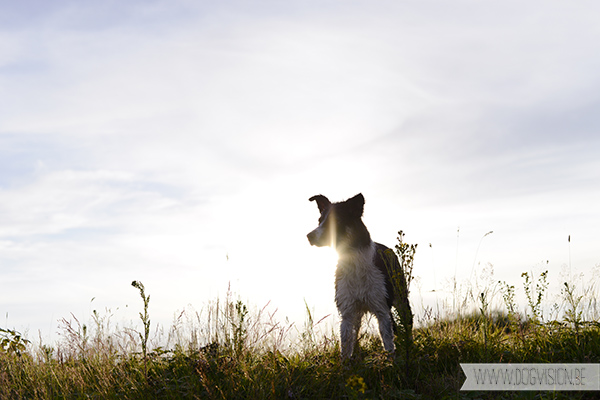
356, 386
12, 341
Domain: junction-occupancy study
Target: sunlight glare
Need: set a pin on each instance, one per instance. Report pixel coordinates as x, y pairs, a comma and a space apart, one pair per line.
330, 256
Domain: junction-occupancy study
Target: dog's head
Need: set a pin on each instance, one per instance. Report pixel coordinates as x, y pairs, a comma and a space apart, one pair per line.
340, 224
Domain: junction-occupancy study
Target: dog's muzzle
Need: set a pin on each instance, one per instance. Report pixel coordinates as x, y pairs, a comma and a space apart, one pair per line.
313, 238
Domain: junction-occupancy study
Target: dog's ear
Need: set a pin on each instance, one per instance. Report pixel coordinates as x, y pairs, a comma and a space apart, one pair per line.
356, 204
322, 202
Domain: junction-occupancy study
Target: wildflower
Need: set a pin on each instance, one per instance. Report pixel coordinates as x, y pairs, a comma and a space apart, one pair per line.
356, 383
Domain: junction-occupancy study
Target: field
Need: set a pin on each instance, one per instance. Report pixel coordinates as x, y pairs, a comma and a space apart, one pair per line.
230, 352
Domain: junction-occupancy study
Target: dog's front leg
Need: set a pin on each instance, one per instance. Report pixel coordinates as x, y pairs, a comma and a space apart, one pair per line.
349, 333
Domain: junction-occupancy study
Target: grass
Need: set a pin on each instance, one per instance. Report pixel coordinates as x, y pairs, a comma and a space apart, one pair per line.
231, 352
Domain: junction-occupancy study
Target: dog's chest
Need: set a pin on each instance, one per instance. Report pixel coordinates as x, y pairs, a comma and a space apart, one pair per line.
358, 283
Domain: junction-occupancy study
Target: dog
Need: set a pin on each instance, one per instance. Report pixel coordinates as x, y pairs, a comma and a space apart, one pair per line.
363, 280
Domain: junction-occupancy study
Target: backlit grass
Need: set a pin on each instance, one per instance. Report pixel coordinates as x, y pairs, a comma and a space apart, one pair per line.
231, 352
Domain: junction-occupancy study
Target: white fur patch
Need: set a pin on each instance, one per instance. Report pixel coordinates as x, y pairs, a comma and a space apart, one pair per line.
360, 288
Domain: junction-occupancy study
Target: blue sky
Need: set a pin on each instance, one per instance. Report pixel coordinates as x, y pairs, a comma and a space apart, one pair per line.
177, 143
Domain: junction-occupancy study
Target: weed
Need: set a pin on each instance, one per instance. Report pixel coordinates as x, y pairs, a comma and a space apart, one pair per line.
356, 386
574, 298
238, 322
400, 270
401, 281
535, 295
145, 321
508, 295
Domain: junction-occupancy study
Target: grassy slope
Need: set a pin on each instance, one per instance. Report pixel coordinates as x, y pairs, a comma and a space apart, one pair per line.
244, 362
230, 353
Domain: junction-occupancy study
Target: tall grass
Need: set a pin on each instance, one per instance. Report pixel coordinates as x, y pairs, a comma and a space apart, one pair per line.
230, 350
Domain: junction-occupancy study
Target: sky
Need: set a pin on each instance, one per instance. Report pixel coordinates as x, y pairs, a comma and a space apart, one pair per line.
177, 143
